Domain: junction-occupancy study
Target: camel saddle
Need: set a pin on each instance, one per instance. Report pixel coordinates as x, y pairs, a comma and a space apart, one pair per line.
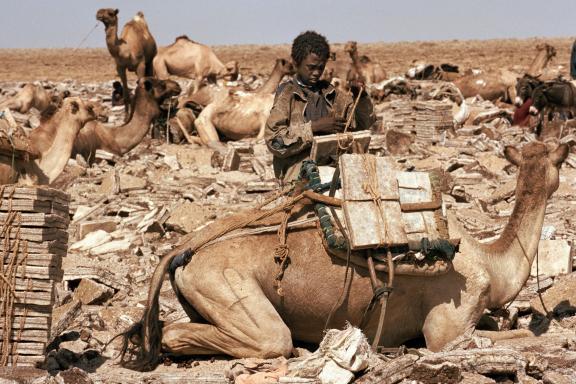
14, 143
383, 210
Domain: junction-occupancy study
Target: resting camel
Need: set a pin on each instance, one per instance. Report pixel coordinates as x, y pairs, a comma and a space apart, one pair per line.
187, 58
133, 51
52, 141
239, 115
363, 68
501, 84
32, 96
227, 288
149, 95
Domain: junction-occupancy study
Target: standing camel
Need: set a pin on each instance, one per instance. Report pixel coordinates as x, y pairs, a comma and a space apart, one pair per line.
228, 288
52, 141
133, 51
187, 58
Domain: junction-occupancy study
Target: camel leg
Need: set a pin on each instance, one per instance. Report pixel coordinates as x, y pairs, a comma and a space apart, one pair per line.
447, 321
125, 90
243, 322
160, 70
148, 69
206, 129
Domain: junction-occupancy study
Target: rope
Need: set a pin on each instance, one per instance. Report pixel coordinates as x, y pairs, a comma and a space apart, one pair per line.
345, 140
8, 282
281, 253
86, 37
10, 267
372, 186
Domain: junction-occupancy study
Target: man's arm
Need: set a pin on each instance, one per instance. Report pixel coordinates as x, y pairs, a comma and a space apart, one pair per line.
283, 138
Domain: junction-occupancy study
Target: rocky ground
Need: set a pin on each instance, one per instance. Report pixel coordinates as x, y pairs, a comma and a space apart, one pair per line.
128, 212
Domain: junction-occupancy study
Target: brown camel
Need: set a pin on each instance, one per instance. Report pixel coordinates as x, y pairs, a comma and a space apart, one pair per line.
133, 51
187, 58
502, 84
149, 94
489, 85
362, 67
239, 115
32, 96
228, 289
545, 53
53, 141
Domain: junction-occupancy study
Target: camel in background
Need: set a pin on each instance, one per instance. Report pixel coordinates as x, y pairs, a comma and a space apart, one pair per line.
192, 60
32, 96
149, 95
441, 308
362, 67
538, 67
133, 51
502, 84
239, 115
52, 141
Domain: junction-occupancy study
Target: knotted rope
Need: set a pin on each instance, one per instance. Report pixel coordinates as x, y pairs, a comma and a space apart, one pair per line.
8, 272
371, 186
281, 252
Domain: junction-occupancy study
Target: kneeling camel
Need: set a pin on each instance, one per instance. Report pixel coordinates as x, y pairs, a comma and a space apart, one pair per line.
52, 141
228, 291
149, 95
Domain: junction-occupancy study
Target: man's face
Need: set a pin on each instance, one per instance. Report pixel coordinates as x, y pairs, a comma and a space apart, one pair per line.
310, 69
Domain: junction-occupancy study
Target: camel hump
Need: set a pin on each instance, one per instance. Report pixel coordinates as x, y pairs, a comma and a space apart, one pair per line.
184, 37
139, 17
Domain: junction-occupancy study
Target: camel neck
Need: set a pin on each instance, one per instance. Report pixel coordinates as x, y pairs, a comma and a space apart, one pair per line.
540, 62
146, 109
272, 82
53, 160
112, 41
509, 259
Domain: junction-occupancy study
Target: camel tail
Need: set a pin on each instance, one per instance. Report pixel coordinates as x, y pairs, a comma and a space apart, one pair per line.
144, 339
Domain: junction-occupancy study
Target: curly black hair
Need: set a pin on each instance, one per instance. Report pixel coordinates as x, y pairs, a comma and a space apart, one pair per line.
309, 42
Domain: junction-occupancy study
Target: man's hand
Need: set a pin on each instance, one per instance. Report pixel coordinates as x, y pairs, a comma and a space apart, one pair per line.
356, 86
328, 124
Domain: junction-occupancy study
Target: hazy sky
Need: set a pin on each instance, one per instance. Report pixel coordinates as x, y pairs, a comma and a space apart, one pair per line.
64, 23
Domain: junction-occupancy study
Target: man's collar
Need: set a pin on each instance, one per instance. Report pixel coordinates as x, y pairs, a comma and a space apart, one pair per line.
326, 89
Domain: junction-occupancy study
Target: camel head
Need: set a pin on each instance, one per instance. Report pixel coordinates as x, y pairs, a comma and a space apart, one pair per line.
160, 90
351, 47
232, 70
550, 50
79, 109
108, 16
539, 166
285, 67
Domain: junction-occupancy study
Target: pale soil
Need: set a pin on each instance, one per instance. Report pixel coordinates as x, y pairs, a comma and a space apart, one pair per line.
87, 65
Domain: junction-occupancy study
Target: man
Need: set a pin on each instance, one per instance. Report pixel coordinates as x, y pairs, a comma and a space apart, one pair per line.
306, 106
573, 61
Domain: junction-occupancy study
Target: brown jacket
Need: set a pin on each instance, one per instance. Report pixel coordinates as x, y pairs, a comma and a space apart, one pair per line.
289, 136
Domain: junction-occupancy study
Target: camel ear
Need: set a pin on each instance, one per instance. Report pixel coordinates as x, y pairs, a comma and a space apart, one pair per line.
74, 107
513, 155
116, 11
560, 154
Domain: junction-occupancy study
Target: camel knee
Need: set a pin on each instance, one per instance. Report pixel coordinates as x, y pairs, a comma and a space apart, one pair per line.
172, 342
275, 343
